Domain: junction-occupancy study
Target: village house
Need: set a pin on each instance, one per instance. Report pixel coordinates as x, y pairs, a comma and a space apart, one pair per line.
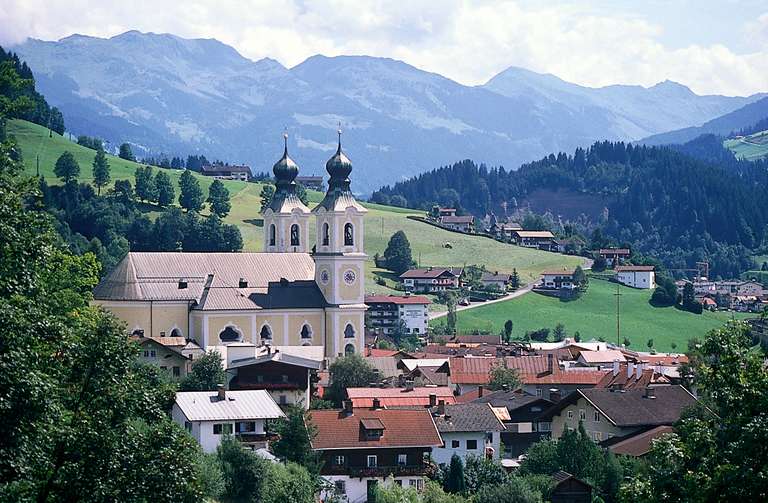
461, 223
361, 448
209, 415
446, 212
636, 276
555, 280
505, 231
226, 172
607, 413
286, 376
467, 429
386, 311
600, 359
311, 182
431, 279
571, 245
566, 488
614, 256
170, 357
636, 445
521, 415
287, 295
533, 239
495, 280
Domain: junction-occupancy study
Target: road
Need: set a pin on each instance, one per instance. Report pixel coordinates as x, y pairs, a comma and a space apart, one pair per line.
434, 315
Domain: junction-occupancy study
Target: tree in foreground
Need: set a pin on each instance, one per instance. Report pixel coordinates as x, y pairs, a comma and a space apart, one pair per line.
165, 191
398, 253
296, 435
454, 480
81, 420
191, 196
126, 152
206, 374
67, 168
350, 371
218, 198
503, 377
267, 193
101, 176
719, 451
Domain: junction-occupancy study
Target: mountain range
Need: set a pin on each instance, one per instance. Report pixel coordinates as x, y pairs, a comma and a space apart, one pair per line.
178, 96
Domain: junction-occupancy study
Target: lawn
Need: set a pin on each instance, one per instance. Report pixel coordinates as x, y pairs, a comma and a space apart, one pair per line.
754, 146
427, 242
594, 316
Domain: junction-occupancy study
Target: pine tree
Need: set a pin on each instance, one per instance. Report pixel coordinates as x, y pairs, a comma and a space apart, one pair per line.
191, 197
146, 189
218, 198
454, 481
67, 167
126, 152
398, 253
508, 327
267, 193
165, 191
100, 170
514, 281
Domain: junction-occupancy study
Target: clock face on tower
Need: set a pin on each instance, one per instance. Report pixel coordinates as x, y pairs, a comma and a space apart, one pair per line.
349, 276
324, 276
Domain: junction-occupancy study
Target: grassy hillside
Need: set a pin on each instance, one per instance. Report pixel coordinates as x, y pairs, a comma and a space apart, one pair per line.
382, 221
754, 146
594, 316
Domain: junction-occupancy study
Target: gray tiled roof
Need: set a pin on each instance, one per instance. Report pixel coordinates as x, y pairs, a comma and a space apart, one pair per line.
467, 417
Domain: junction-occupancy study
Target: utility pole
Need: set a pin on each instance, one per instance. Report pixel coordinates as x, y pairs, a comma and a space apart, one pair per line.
38, 165
618, 315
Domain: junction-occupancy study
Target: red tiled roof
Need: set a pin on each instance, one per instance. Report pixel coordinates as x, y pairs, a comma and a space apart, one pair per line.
607, 356
477, 370
397, 299
584, 377
639, 444
647, 376
399, 397
665, 360
402, 428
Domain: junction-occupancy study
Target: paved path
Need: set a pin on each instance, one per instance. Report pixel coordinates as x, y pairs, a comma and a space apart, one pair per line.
587, 264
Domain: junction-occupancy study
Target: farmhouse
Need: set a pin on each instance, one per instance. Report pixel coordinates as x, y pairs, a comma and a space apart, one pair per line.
226, 172
431, 279
614, 256
464, 223
311, 182
209, 415
636, 276
558, 279
284, 296
533, 239
495, 280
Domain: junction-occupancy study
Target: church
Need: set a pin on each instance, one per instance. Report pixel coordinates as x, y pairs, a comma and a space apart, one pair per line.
291, 294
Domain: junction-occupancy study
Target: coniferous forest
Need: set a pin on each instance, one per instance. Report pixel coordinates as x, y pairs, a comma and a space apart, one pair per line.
681, 204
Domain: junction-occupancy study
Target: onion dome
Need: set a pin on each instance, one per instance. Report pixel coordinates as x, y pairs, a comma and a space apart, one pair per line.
339, 167
285, 169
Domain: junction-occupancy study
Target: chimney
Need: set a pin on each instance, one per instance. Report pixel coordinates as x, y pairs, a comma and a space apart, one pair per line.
409, 385
222, 393
555, 395
432, 399
182, 283
243, 283
441, 408
550, 362
650, 393
376, 404
615, 368
480, 391
347, 408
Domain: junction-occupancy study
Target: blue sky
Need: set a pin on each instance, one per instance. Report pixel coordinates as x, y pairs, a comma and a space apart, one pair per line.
711, 46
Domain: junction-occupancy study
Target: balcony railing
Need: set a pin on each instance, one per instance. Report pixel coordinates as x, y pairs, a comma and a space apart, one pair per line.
378, 471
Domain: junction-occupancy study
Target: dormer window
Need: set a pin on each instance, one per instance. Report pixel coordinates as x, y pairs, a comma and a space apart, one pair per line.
243, 283
373, 428
182, 284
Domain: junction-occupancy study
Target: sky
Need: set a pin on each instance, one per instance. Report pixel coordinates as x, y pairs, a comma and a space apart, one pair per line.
714, 47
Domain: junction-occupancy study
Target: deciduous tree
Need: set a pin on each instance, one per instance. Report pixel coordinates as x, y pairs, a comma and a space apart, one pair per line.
67, 168
100, 170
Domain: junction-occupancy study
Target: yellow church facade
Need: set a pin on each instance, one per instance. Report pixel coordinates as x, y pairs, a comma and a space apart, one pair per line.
292, 294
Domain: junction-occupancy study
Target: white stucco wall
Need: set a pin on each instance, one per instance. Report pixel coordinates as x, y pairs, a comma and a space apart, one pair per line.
357, 488
442, 455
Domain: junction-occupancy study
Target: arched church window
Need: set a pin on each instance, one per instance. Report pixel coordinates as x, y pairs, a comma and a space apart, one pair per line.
176, 332
266, 333
306, 332
326, 234
349, 349
295, 235
349, 331
229, 334
272, 235
349, 235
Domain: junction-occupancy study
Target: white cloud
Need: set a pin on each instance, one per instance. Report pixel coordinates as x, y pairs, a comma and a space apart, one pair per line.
464, 40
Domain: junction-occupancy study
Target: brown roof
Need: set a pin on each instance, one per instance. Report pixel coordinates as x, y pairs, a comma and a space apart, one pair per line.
402, 428
647, 376
399, 397
397, 299
467, 417
638, 444
535, 234
634, 268
564, 377
455, 219
477, 370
